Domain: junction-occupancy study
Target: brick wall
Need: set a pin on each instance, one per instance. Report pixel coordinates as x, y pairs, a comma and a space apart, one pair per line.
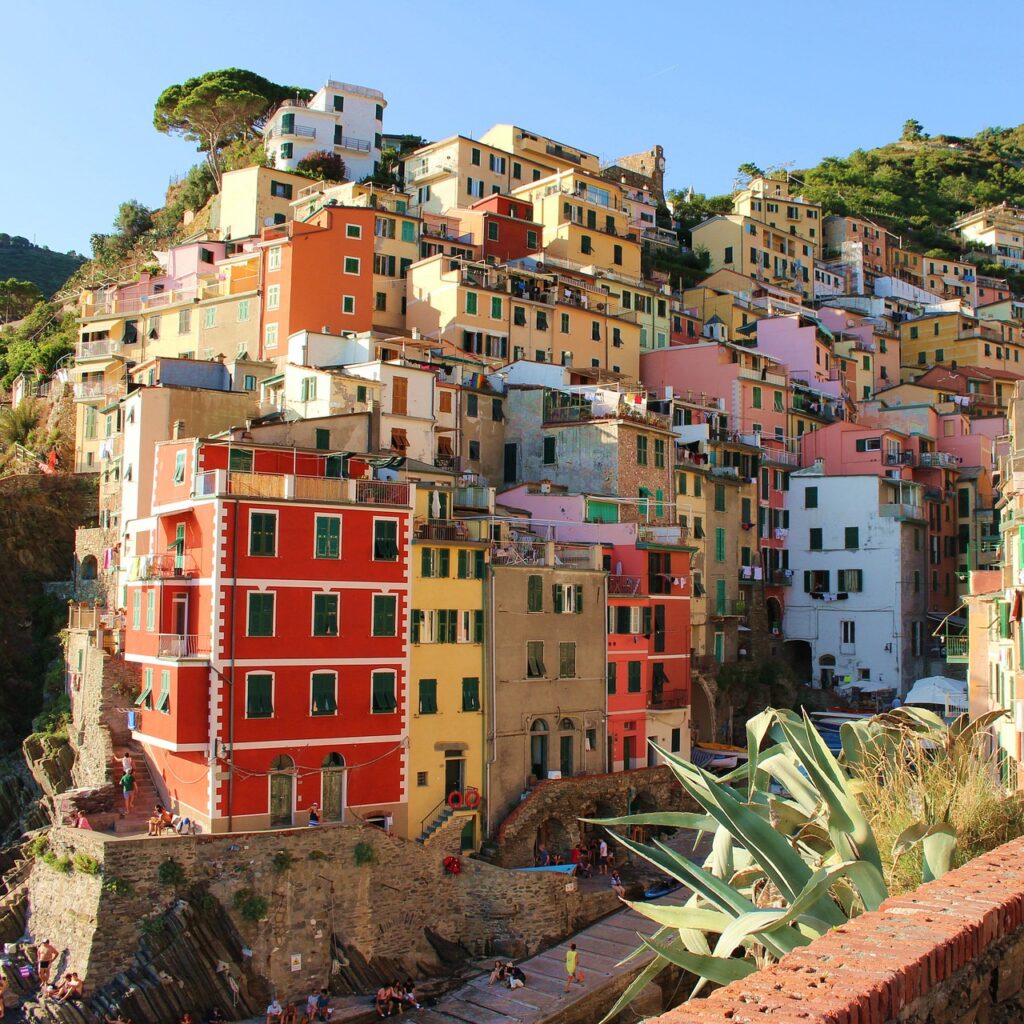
951, 952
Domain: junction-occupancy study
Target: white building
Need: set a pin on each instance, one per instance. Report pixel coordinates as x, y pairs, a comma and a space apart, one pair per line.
341, 118
859, 560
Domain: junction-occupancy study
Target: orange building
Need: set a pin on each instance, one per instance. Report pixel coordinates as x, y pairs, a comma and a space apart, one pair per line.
317, 276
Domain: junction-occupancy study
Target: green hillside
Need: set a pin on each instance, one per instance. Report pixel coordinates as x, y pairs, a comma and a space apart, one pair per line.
918, 186
46, 269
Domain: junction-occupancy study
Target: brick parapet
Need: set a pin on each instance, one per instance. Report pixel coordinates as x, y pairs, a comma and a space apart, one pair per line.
951, 951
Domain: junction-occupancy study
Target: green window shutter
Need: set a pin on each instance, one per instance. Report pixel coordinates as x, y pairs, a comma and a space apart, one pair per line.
145, 697
807, 581
323, 439
719, 647
811, 497
471, 303
535, 659
261, 614
495, 307
852, 537
612, 669
815, 539
328, 537
383, 700
478, 626
384, 614
549, 451
428, 696
262, 533
478, 565
578, 591
325, 615
557, 596
633, 677
427, 562
408, 231
385, 540
259, 691
470, 694
463, 567
150, 610
323, 701
444, 563
566, 660
1004, 620
535, 594
720, 597
745, 511
646, 621
719, 544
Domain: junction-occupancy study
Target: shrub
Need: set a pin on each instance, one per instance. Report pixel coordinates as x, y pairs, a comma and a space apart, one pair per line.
153, 925
322, 165
85, 864
316, 855
170, 872
364, 853
119, 887
38, 846
63, 863
54, 718
283, 860
251, 906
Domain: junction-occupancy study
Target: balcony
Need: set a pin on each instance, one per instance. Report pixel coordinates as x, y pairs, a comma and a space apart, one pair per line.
623, 586
356, 145
750, 574
534, 551
901, 510
957, 649
763, 376
90, 390
729, 608
298, 131
103, 348
183, 646
451, 529
649, 533
219, 482
475, 496
781, 578
83, 616
663, 700
168, 565
899, 458
429, 169
938, 459
780, 457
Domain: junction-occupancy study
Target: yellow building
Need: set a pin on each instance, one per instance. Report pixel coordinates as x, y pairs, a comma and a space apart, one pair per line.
252, 198
448, 673
502, 313
952, 279
531, 146
961, 341
456, 172
1000, 229
770, 202
228, 314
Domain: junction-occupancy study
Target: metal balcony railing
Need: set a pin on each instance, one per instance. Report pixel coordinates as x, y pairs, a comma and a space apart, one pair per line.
670, 697
182, 645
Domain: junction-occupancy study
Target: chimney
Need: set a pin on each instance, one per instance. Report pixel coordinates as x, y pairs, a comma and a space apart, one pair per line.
178, 430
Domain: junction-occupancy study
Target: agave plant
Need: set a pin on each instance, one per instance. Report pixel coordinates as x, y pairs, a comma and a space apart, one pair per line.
793, 854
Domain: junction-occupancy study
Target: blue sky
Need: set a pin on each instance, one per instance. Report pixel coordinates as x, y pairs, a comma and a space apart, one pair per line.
708, 81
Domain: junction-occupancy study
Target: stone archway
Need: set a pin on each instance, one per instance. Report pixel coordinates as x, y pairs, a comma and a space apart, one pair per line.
773, 608
556, 838
798, 654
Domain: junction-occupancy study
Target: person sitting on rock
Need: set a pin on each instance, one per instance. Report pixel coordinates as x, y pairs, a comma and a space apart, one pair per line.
516, 978
274, 1012
323, 1005
409, 996
617, 887
81, 821
498, 974
73, 988
383, 1001
291, 1014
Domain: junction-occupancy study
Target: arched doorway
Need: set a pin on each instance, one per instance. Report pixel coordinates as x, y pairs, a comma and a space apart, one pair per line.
554, 837
88, 568
332, 788
827, 671
539, 749
702, 711
798, 654
282, 791
774, 608
566, 746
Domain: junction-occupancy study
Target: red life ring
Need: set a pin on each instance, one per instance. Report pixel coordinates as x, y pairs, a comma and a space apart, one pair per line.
454, 799
472, 798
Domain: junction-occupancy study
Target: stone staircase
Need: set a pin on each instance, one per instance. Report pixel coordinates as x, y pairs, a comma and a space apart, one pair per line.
442, 817
147, 796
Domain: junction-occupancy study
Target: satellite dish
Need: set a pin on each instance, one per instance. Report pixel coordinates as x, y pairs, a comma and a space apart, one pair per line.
268, 222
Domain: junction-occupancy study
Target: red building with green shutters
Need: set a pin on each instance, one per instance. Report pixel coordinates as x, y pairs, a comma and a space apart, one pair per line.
267, 611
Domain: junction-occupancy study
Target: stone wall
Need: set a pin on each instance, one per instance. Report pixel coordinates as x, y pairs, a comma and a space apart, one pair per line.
375, 893
951, 952
565, 801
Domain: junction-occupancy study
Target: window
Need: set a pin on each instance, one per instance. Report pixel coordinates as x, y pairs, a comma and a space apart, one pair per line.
307, 389
778, 402
179, 466
435, 563
659, 453
470, 693
472, 405
567, 598
852, 580
633, 674
163, 704
814, 541
145, 697
185, 321
595, 330
563, 326
727, 256
274, 258
273, 296
385, 540
869, 444
719, 497
474, 451
428, 697
756, 398
323, 693
383, 700
492, 230
495, 307
848, 629
325, 615
612, 674
719, 544
535, 659
531, 239
261, 614
811, 497
586, 245
270, 336
259, 696
263, 534
352, 265
210, 316
243, 310
328, 537
566, 661
385, 615
641, 449
535, 594
852, 537
550, 447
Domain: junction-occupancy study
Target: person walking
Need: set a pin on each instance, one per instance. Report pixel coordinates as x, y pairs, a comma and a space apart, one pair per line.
128, 790
602, 856
572, 966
